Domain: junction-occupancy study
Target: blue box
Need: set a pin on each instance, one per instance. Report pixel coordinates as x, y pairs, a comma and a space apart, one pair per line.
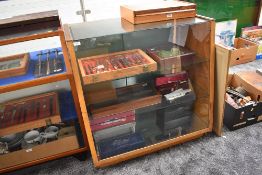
118, 145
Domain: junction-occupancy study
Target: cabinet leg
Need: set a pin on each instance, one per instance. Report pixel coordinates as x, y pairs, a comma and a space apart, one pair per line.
82, 156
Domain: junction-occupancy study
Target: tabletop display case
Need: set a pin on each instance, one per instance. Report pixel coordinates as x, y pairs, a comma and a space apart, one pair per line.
40, 117
142, 87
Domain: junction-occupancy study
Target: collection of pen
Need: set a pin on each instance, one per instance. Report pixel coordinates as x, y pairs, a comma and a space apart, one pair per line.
48, 63
114, 62
28, 110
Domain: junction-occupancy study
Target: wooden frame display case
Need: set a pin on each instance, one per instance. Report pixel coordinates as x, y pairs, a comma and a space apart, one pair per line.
40, 116
140, 111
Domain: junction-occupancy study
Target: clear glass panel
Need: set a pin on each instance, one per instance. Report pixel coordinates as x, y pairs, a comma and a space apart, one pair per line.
29, 60
144, 85
38, 122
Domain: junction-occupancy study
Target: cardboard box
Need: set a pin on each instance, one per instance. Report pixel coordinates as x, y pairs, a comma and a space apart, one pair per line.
157, 11
254, 34
244, 51
247, 115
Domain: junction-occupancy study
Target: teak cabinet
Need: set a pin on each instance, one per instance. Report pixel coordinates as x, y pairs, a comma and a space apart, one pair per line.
40, 117
130, 106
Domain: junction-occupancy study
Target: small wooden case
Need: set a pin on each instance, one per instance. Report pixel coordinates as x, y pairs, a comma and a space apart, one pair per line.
20, 64
157, 11
115, 65
30, 112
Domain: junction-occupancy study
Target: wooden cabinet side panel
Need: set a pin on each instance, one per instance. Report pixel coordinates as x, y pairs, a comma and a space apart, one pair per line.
221, 74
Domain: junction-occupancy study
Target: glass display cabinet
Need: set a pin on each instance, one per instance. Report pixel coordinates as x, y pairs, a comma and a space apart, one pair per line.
142, 87
40, 117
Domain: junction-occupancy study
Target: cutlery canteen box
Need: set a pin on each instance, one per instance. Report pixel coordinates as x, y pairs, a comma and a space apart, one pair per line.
157, 11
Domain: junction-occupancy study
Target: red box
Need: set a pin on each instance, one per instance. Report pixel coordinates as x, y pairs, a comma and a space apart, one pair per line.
112, 120
172, 82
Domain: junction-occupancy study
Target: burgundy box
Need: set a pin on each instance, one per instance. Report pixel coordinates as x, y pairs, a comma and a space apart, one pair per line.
112, 120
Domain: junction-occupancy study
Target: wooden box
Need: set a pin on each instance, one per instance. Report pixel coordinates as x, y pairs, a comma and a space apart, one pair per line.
244, 51
59, 146
235, 118
115, 65
157, 11
27, 113
171, 57
14, 65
